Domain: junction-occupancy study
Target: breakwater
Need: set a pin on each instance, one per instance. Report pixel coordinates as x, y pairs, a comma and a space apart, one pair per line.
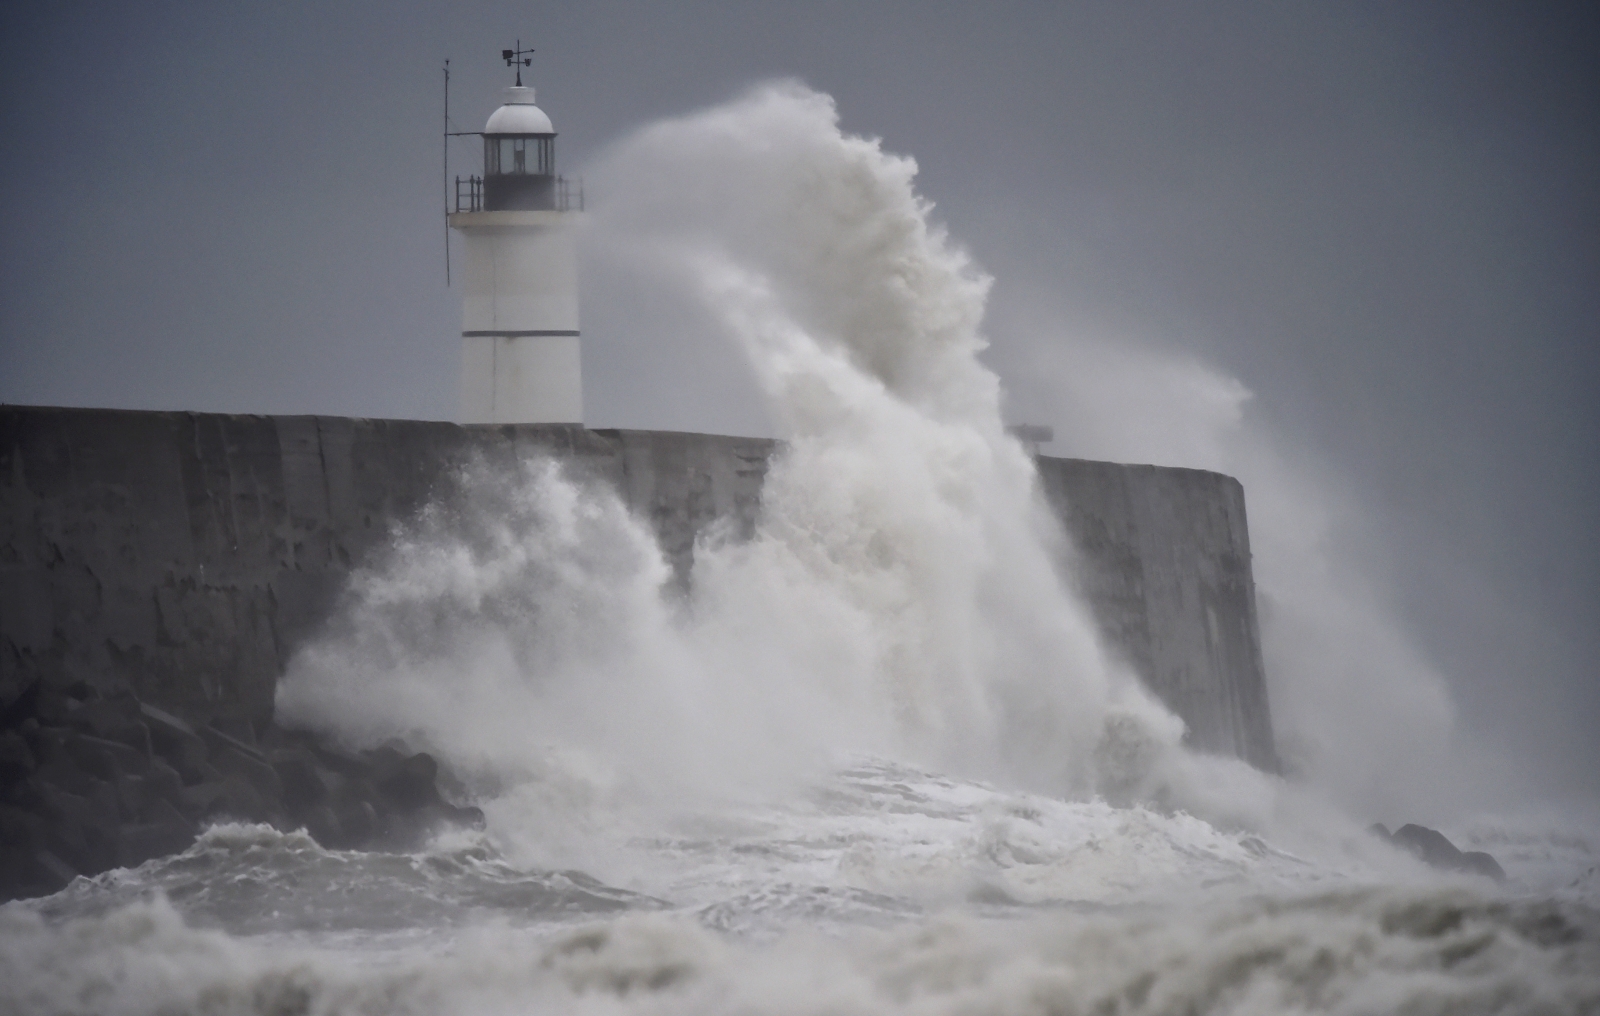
187, 555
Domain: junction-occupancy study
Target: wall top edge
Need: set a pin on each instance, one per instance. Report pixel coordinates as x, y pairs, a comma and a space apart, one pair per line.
16, 411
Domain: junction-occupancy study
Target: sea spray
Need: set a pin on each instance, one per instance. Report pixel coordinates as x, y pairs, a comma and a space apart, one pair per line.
1358, 708
900, 593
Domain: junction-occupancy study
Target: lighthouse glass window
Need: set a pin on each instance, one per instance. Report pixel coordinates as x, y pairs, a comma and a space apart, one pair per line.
526, 155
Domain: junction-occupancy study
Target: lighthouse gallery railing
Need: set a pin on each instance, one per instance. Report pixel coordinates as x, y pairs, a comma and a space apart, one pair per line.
567, 195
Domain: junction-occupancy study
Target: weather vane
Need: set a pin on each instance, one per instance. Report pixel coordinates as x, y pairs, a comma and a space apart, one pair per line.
517, 58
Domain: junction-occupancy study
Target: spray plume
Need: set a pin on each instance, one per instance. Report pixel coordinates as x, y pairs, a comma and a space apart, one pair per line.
900, 595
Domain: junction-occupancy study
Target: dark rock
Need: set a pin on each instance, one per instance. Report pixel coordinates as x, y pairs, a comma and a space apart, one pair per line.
54, 707
134, 734
1480, 863
218, 739
342, 762
323, 826
46, 743
81, 691
177, 742
163, 782
80, 827
14, 878
236, 727
162, 812
358, 823
201, 799
382, 761
68, 840
241, 801
64, 772
1436, 850
1381, 831
235, 758
163, 724
139, 842
92, 778
205, 772
1429, 845
21, 829
226, 799
104, 758
112, 720
52, 872
133, 794
409, 783
305, 784
22, 708
16, 758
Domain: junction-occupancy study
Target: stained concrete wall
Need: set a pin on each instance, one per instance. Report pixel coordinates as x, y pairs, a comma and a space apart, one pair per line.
1163, 557
191, 553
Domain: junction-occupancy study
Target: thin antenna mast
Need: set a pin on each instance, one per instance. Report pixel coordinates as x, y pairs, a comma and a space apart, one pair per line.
447, 173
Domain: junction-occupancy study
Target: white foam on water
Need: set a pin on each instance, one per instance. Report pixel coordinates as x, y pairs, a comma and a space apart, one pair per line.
1437, 949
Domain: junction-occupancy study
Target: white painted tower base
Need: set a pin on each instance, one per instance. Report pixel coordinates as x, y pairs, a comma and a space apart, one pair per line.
520, 360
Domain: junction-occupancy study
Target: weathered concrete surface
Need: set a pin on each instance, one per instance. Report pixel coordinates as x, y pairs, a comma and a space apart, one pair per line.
1163, 557
189, 554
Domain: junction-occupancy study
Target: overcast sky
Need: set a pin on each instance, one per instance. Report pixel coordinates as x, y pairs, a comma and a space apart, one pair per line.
1382, 219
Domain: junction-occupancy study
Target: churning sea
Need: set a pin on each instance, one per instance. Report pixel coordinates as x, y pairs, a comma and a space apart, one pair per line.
881, 889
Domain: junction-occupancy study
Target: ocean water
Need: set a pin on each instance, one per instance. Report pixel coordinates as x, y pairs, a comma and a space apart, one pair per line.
881, 889
874, 760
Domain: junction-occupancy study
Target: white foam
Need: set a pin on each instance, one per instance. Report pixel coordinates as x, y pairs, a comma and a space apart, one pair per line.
1355, 950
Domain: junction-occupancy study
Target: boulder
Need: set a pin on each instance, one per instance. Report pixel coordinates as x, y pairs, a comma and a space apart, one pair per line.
161, 812
1480, 863
112, 720
1430, 845
304, 782
50, 871
22, 708
163, 782
16, 758
92, 779
176, 742
235, 758
104, 759
138, 842
409, 782
1435, 849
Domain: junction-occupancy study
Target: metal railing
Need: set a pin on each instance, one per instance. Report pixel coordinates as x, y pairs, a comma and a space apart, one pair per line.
470, 199
566, 195
569, 194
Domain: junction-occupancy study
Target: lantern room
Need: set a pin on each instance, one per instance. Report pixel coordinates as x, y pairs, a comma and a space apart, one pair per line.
519, 156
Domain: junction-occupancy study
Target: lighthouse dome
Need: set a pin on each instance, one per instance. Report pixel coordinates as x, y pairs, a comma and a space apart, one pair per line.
519, 115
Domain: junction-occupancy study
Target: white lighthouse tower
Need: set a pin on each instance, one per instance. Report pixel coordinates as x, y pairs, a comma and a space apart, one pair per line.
520, 358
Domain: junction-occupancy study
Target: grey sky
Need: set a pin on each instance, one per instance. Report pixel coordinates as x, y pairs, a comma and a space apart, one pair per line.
1381, 218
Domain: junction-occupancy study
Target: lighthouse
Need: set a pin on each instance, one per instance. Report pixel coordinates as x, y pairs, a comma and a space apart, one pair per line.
520, 359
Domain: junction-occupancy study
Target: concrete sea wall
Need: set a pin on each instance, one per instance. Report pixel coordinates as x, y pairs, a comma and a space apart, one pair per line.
190, 554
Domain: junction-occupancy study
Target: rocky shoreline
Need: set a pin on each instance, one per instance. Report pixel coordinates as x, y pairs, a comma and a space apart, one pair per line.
94, 779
